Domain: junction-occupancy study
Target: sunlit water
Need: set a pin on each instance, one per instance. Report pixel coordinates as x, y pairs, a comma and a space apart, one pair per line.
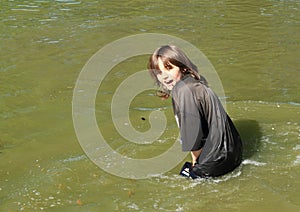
254, 47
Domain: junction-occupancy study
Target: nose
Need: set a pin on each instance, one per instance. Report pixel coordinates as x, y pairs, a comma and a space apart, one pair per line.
164, 75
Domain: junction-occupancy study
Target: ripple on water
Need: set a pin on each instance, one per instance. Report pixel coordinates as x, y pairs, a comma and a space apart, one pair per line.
297, 160
45, 187
25, 9
31, 7
297, 147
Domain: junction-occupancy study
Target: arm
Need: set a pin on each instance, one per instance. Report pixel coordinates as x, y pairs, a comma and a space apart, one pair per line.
195, 155
188, 112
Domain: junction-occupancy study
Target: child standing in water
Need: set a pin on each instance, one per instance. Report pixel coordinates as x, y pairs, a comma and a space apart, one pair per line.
206, 130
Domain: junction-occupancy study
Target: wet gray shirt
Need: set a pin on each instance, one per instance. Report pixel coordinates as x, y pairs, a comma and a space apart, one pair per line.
204, 123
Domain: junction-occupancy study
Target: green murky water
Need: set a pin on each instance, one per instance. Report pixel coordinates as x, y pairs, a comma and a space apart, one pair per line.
254, 47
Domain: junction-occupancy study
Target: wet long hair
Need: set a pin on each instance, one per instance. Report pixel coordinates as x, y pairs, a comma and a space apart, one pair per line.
171, 54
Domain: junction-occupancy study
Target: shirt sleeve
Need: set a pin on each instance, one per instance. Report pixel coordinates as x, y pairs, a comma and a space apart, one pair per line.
186, 108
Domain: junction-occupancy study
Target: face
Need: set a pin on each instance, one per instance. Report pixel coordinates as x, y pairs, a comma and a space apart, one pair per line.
169, 75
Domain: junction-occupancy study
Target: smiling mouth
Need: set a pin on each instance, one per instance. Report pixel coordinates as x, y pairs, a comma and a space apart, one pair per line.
169, 82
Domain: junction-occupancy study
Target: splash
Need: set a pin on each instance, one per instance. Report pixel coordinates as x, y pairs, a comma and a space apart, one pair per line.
253, 162
297, 161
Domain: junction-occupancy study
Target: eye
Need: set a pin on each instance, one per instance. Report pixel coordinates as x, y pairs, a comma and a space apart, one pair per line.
168, 66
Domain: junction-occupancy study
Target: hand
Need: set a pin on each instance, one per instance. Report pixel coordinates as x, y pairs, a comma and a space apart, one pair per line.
195, 155
194, 163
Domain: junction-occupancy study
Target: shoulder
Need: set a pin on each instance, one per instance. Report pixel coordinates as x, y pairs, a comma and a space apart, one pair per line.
189, 86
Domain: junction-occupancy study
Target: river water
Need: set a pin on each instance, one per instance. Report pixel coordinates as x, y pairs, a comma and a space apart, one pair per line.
254, 48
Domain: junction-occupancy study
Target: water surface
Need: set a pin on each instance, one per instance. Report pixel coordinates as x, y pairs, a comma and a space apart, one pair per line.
254, 47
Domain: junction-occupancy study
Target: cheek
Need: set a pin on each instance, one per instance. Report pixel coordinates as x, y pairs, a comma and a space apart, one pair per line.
164, 75
159, 77
177, 75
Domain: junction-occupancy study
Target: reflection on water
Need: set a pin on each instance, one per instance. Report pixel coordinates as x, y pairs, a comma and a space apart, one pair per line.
254, 46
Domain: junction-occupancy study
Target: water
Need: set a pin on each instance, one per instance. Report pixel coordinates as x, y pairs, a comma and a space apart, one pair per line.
253, 45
